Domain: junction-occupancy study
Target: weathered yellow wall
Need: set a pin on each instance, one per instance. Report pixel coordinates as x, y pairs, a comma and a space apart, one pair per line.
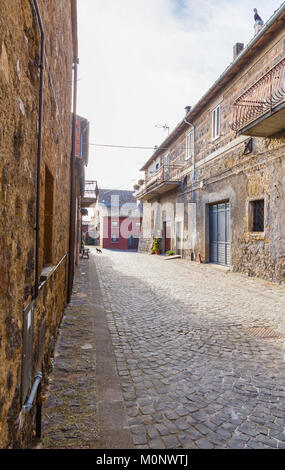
19, 98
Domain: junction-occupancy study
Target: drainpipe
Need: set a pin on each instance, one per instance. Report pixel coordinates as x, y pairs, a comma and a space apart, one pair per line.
72, 188
29, 404
193, 128
39, 151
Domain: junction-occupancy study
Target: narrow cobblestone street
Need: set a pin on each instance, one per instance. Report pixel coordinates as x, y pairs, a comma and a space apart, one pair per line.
157, 353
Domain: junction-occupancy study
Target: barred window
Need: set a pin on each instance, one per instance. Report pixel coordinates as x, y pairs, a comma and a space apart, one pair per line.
258, 215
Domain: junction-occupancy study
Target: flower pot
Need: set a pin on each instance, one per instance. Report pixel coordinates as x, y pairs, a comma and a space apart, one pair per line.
157, 252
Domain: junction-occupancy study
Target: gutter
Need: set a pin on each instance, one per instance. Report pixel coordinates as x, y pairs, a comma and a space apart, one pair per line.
39, 151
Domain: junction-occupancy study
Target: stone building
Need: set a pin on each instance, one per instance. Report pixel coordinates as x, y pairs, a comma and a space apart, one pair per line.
117, 220
214, 190
38, 51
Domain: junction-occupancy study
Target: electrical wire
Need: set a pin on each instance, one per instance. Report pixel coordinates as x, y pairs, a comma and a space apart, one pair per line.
123, 146
178, 147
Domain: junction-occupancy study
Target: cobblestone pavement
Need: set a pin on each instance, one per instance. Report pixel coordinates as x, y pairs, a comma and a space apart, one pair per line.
192, 372
84, 407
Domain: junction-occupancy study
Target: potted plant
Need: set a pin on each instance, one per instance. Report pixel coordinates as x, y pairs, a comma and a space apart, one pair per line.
136, 187
156, 246
140, 182
170, 253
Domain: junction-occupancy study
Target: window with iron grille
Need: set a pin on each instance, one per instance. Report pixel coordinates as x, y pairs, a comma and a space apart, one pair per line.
258, 215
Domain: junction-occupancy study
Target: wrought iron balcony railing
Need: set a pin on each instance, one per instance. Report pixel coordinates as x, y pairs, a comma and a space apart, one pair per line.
164, 178
91, 189
164, 173
262, 97
90, 193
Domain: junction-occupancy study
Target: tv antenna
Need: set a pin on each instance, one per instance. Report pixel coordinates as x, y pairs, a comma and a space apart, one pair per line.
164, 127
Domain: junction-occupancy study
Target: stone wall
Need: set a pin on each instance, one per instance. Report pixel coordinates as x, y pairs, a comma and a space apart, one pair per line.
19, 99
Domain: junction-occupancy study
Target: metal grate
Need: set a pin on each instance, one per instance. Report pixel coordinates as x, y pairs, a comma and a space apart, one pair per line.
263, 332
258, 216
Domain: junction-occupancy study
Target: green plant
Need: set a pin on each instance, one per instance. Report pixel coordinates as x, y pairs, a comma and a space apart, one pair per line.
170, 253
156, 244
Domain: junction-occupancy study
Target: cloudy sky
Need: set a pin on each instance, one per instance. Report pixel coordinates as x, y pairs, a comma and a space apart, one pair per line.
142, 62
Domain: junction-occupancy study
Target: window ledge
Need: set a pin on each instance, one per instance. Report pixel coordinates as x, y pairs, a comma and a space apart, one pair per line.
46, 273
256, 235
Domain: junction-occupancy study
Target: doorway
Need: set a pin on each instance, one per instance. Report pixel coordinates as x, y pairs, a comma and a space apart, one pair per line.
165, 238
220, 245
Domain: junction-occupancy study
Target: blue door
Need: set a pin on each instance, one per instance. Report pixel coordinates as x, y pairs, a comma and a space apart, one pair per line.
220, 246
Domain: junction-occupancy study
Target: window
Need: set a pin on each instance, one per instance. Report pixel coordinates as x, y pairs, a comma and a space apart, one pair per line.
167, 159
138, 224
115, 239
189, 145
114, 224
216, 122
256, 216
257, 212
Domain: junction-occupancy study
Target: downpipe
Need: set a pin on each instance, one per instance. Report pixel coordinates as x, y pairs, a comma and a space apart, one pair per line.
36, 391
39, 151
72, 188
30, 401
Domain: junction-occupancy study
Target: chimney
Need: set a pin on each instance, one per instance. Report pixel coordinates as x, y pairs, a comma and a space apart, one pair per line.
187, 110
238, 47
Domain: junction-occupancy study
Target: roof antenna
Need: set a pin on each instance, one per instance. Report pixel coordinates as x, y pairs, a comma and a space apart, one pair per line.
164, 127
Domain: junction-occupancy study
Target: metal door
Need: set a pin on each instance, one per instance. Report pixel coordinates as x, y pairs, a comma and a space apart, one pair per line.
220, 246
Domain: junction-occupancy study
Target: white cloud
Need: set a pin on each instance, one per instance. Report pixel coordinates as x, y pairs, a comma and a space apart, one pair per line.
142, 62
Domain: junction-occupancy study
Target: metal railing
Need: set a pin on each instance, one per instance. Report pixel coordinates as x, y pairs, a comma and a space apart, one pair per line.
91, 189
164, 174
264, 95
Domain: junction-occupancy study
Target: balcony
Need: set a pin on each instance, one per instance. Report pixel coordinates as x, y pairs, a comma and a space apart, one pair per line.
90, 194
166, 178
260, 111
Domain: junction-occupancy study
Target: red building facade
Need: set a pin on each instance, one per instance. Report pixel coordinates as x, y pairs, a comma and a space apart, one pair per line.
120, 233
117, 220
